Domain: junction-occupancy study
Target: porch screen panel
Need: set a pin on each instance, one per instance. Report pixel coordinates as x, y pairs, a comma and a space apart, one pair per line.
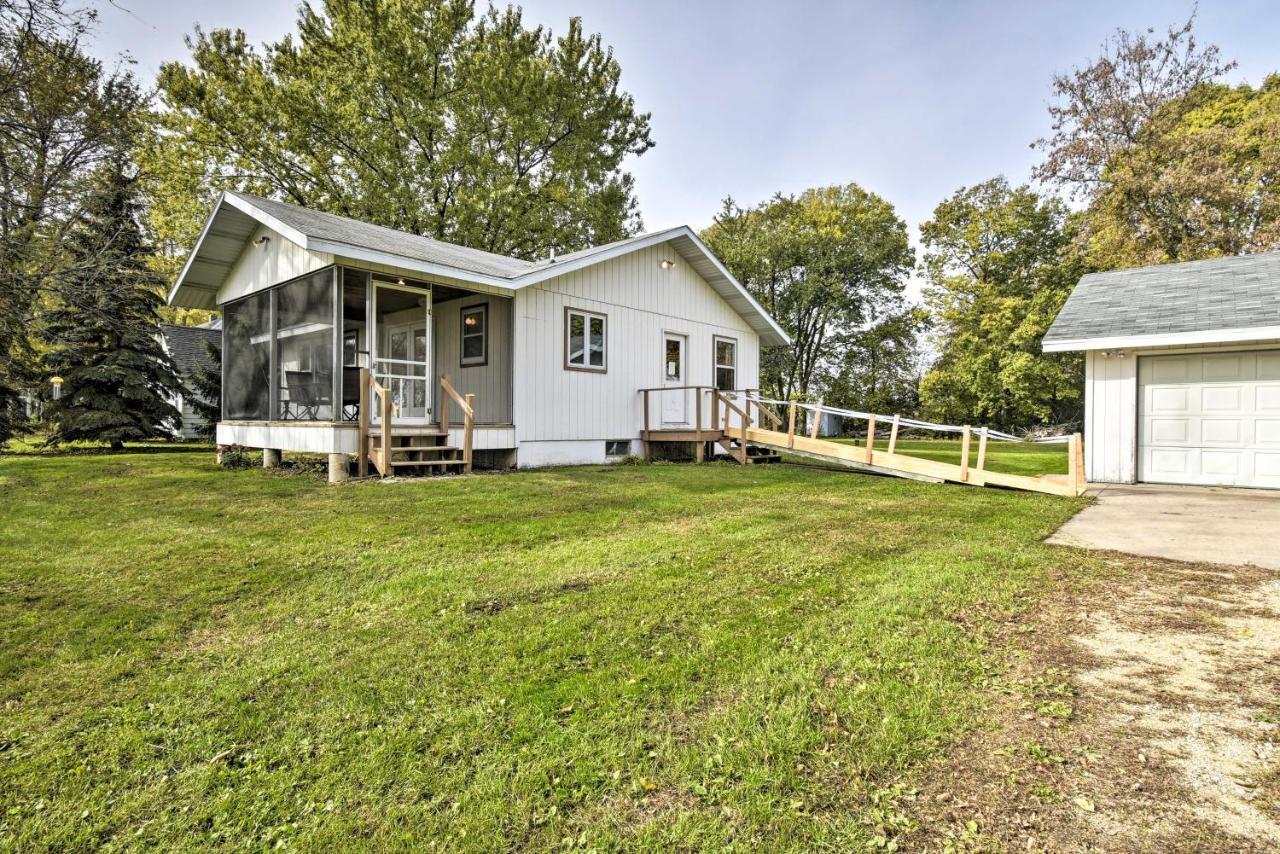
305, 353
246, 356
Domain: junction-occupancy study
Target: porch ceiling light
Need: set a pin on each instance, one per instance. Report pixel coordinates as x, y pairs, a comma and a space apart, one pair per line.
666, 263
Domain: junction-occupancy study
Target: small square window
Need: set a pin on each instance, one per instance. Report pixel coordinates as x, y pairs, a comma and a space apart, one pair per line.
584, 340
475, 336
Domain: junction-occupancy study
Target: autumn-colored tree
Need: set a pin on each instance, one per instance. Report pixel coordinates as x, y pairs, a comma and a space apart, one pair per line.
1000, 262
1101, 109
826, 263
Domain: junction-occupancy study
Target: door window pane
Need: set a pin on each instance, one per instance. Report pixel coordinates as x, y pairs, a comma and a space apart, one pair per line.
673, 360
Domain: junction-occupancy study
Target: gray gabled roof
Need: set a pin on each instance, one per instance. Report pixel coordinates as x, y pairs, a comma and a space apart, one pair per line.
186, 346
1228, 299
236, 216
340, 229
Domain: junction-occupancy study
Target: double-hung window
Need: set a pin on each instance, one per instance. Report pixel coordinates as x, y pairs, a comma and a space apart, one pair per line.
584, 340
726, 359
475, 336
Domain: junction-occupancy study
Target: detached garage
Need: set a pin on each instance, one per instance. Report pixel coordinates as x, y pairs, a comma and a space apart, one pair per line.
1182, 371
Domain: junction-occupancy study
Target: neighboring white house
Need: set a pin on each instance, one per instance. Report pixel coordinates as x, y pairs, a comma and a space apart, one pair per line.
186, 347
555, 352
1182, 371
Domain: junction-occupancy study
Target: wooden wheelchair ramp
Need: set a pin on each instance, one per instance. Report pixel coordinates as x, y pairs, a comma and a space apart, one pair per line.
867, 458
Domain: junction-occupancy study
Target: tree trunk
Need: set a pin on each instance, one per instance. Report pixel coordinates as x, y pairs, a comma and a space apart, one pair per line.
117, 445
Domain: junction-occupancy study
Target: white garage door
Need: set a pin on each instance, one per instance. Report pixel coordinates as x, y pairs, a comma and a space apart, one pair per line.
1210, 419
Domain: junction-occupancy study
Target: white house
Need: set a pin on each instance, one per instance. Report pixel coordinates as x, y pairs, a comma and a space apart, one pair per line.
1182, 371
555, 353
186, 346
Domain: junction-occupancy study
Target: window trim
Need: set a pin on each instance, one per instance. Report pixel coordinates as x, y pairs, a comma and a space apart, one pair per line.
715, 361
483, 360
586, 332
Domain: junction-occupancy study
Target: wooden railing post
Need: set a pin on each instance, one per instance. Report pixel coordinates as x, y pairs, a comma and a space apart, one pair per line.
982, 450
871, 437
715, 408
699, 450
384, 454
893, 434
1075, 463
791, 425
469, 423
817, 421
362, 453
964, 455
444, 405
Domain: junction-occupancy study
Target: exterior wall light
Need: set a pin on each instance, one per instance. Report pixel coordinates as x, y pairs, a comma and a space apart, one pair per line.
666, 264
262, 241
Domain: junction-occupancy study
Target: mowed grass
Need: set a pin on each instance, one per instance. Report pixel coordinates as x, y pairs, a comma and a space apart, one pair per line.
1008, 457
629, 657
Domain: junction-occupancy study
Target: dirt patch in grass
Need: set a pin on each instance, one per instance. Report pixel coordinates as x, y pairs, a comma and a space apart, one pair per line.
1139, 713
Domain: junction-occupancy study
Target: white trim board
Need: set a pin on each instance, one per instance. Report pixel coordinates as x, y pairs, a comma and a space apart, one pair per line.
1167, 339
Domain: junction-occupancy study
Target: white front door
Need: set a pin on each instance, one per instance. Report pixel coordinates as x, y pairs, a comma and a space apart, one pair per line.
402, 348
675, 403
1210, 419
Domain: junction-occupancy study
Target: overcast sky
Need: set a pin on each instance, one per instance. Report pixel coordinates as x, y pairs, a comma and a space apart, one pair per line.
912, 100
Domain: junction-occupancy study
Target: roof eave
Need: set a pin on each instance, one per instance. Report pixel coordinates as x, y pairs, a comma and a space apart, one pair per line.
1163, 339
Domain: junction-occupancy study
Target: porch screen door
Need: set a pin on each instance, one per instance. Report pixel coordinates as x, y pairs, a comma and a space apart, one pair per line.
402, 348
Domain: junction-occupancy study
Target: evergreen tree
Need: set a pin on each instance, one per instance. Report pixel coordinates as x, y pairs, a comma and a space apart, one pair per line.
205, 385
102, 331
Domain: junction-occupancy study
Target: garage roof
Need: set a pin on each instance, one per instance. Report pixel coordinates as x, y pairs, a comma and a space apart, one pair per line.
1197, 302
236, 215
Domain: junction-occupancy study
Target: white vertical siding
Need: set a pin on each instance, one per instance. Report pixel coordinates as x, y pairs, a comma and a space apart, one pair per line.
259, 267
1111, 417
641, 301
491, 382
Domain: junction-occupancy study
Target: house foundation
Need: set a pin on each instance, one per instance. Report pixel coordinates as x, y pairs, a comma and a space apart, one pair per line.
270, 458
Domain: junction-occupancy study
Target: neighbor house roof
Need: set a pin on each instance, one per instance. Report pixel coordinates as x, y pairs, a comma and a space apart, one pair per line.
186, 346
1197, 302
236, 216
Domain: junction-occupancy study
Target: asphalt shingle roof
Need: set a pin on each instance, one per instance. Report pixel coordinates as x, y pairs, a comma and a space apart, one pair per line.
341, 229
1240, 292
186, 346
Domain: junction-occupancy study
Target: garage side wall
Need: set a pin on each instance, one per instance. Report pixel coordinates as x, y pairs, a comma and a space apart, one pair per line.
1111, 421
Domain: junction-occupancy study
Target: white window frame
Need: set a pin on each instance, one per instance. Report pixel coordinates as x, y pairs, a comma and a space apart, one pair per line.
481, 309
715, 360
585, 364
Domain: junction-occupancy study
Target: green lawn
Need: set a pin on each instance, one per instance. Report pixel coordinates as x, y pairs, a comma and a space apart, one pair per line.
1008, 457
640, 656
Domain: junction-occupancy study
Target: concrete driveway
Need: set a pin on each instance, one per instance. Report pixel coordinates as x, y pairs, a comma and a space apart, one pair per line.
1191, 523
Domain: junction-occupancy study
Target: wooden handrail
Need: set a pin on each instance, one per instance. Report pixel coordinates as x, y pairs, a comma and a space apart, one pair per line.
468, 406
730, 405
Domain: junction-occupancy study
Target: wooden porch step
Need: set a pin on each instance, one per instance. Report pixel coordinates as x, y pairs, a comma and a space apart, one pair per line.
440, 463
402, 430
422, 449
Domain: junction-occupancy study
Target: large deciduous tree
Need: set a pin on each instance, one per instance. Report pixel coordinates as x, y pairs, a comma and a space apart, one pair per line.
102, 333
1201, 181
1000, 262
825, 264
61, 115
417, 115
